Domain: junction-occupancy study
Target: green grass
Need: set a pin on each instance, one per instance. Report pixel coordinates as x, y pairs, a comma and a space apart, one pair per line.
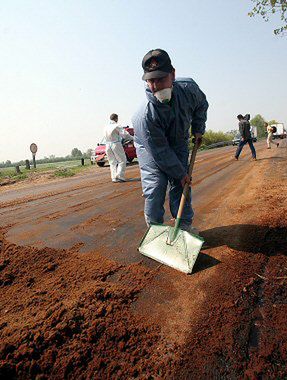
64, 172
58, 165
11, 173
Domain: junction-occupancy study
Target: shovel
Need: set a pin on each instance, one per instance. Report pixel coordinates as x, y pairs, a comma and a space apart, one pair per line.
171, 245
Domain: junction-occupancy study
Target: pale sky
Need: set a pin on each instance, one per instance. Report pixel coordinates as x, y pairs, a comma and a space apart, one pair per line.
67, 65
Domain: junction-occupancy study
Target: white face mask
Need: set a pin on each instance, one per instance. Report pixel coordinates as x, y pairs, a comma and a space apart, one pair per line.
164, 95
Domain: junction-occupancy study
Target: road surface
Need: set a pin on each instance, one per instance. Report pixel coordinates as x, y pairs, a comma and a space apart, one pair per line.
211, 323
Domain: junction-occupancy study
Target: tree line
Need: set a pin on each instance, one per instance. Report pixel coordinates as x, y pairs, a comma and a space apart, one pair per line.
75, 154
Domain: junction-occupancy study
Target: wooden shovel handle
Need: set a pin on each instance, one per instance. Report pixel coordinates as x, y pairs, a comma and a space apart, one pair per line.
186, 186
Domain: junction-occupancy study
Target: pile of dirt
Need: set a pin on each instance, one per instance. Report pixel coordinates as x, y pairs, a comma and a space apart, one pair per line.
7, 181
242, 332
67, 315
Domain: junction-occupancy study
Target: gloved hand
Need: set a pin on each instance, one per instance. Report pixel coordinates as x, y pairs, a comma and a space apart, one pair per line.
197, 138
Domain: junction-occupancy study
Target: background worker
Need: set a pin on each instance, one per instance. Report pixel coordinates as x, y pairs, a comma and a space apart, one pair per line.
162, 131
270, 136
114, 149
244, 130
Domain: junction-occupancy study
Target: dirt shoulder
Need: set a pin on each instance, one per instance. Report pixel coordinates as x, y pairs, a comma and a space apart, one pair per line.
66, 314
51, 175
241, 328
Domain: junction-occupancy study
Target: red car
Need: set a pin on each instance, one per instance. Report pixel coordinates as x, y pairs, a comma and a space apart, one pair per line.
100, 157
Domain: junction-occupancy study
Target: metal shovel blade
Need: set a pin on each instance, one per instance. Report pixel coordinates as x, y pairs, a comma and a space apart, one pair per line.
180, 254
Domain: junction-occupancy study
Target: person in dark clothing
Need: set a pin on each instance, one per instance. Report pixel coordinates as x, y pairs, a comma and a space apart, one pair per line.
246, 138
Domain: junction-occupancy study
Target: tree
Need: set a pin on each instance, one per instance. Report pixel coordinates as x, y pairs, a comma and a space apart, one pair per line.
259, 122
232, 133
272, 122
89, 152
265, 8
76, 152
211, 137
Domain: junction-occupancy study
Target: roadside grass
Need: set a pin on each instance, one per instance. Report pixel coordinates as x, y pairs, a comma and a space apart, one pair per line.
68, 172
58, 169
64, 172
9, 173
13, 175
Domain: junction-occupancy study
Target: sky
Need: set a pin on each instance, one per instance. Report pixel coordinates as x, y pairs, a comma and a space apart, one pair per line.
66, 65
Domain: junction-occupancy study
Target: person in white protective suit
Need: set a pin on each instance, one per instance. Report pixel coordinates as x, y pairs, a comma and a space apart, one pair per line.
270, 141
114, 134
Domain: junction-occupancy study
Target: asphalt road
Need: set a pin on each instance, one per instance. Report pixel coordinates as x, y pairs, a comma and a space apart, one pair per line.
93, 212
